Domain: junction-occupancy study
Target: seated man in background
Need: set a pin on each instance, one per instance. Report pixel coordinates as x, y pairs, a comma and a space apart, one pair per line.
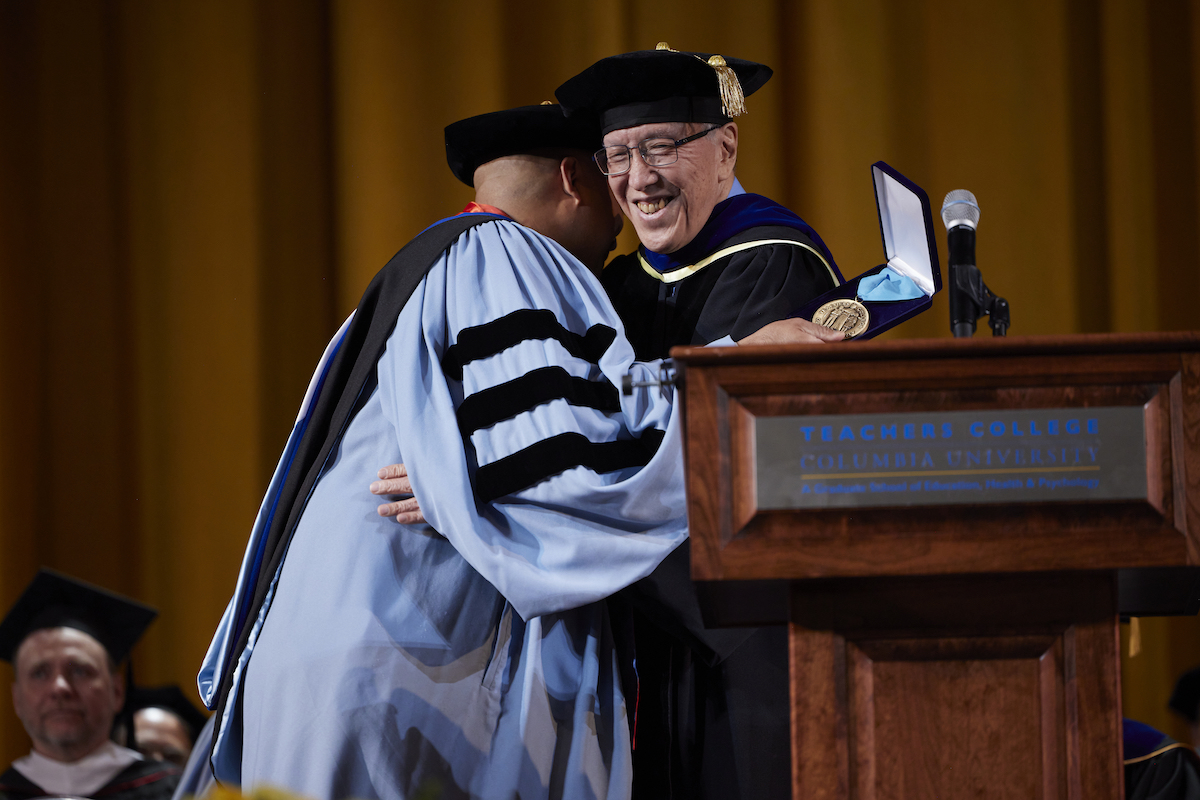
65, 640
165, 723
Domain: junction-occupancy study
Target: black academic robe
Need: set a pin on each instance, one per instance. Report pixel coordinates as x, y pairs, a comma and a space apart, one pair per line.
141, 780
712, 712
1157, 767
732, 296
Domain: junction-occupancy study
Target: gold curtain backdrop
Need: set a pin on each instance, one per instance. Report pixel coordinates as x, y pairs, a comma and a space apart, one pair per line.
193, 194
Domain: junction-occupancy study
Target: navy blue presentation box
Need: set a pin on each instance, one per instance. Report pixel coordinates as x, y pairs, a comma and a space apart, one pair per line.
906, 224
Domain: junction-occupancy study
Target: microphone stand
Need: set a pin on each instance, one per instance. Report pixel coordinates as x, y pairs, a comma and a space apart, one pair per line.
974, 299
970, 298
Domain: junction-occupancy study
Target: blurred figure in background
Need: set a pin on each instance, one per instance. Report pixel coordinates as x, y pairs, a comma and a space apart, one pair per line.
1157, 767
165, 723
1185, 701
66, 640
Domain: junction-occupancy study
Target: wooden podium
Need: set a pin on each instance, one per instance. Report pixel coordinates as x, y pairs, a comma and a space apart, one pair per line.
965, 648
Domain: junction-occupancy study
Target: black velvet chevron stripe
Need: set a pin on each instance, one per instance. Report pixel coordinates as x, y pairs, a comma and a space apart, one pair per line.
351, 373
485, 408
498, 335
557, 454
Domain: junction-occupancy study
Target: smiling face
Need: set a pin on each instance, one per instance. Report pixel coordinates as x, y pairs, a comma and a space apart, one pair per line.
65, 693
669, 205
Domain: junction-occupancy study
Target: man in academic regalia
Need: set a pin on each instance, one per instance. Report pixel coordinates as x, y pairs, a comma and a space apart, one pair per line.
65, 640
715, 265
1156, 766
473, 656
165, 723
1185, 701
714, 261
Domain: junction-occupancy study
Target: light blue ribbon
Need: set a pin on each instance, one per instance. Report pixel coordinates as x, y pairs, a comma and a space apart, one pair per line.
887, 286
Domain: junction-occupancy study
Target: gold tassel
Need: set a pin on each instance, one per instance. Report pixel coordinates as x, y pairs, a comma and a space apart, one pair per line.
547, 103
1135, 637
733, 102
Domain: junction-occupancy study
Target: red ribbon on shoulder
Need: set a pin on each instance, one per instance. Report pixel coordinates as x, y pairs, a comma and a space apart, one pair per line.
482, 208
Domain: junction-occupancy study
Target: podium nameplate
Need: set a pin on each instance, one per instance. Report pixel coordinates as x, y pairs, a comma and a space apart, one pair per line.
950, 458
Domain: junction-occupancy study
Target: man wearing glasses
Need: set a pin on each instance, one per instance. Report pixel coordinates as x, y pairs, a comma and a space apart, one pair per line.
716, 264
714, 261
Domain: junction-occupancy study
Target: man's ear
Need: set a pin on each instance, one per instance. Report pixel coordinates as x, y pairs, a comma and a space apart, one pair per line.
728, 144
568, 175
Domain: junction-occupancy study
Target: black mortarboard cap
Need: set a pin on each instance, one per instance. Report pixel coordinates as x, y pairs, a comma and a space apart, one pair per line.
474, 141
171, 698
1186, 697
662, 85
53, 600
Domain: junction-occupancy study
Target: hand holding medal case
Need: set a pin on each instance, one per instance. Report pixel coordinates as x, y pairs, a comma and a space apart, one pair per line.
901, 288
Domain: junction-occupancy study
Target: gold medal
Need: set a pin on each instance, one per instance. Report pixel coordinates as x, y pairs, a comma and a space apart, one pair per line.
845, 315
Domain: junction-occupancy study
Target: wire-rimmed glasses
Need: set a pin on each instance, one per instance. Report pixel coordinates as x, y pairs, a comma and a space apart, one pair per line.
656, 152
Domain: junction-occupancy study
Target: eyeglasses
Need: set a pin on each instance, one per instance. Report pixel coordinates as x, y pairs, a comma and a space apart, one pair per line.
616, 159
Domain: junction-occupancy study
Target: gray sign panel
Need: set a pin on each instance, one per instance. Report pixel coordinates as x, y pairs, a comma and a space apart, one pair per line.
949, 458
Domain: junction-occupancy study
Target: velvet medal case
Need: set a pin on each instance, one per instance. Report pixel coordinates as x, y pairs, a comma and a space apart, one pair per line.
906, 224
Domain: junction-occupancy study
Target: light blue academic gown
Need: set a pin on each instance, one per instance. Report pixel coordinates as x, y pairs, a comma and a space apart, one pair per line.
471, 657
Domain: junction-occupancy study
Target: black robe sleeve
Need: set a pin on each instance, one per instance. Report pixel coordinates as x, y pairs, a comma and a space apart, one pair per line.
731, 296
1169, 775
760, 286
15, 786
141, 780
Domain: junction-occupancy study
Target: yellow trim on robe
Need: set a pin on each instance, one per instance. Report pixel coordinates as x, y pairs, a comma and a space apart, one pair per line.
1157, 752
691, 269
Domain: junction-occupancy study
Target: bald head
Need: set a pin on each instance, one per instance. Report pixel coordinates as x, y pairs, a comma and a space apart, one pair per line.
560, 194
524, 179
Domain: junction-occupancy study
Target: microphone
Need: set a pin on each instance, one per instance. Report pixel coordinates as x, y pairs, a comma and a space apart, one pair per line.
960, 214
